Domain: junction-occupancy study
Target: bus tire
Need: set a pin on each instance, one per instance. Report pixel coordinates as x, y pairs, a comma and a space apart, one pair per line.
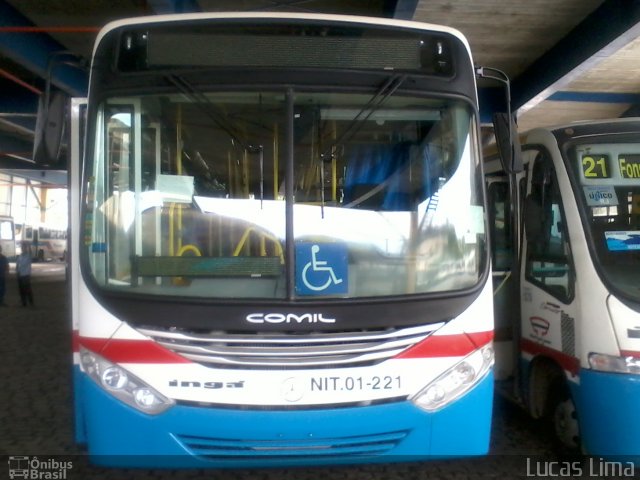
562, 417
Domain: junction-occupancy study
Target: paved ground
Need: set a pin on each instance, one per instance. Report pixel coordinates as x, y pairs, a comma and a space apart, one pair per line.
36, 409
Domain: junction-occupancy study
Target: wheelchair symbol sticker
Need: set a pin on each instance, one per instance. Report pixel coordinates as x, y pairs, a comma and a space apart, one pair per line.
321, 268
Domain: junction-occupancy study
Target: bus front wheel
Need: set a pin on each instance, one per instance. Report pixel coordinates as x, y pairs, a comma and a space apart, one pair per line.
563, 418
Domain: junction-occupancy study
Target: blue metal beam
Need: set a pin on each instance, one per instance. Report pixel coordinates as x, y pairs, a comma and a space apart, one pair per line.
173, 6
7, 164
23, 170
491, 100
610, 27
595, 97
405, 9
18, 106
15, 147
33, 51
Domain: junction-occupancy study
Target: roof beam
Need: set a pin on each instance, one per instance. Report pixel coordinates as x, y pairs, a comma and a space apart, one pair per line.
161, 7
633, 111
15, 147
50, 178
33, 51
17, 104
405, 9
595, 97
607, 29
18, 107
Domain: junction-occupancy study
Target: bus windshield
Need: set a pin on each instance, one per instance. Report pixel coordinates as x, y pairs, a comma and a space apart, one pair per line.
609, 176
188, 195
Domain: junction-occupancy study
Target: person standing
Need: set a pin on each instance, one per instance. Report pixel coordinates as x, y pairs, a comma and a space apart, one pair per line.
4, 271
23, 271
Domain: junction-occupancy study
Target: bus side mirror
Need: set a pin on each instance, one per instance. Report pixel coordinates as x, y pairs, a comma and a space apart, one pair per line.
50, 129
507, 142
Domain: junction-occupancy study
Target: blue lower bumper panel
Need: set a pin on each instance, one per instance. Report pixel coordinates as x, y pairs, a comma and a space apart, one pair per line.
609, 413
201, 437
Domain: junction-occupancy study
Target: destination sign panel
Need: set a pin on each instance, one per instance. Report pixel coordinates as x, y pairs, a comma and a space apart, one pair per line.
629, 164
606, 164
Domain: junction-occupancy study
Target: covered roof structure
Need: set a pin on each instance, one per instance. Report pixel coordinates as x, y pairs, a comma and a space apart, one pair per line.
568, 60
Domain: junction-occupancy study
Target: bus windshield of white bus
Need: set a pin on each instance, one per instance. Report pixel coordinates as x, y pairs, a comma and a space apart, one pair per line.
223, 174
388, 201
609, 175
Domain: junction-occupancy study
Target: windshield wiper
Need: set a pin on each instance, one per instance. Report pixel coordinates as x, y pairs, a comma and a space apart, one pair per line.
208, 108
211, 111
375, 102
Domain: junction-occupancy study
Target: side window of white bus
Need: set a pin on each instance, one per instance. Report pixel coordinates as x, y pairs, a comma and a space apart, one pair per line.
548, 260
501, 233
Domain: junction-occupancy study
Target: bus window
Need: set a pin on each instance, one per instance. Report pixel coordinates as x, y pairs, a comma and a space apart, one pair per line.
500, 223
548, 254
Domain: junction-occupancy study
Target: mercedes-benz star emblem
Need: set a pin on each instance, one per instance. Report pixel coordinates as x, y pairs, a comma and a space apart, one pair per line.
292, 389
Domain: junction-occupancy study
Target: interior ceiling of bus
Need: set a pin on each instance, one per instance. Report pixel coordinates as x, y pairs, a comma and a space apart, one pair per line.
568, 60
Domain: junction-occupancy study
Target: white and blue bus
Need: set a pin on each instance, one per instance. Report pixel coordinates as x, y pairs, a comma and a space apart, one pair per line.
8, 237
279, 246
47, 243
566, 259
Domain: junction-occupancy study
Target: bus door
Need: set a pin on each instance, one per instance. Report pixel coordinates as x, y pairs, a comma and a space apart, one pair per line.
549, 305
502, 255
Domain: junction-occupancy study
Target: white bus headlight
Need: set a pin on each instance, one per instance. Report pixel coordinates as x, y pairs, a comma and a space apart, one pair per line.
610, 363
456, 381
114, 378
123, 384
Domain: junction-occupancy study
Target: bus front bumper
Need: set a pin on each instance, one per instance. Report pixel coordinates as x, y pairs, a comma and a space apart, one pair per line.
200, 437
609, 413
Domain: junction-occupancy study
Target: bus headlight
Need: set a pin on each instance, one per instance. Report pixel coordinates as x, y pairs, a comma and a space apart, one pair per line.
122, 384
114, 378
610, 363
456, 381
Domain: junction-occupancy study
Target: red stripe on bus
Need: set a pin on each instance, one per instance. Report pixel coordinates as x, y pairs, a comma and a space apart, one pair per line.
131, 351
629, 353
458, 345
567, 362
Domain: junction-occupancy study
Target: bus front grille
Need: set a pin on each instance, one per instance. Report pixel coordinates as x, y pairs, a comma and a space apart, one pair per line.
289, 350
213, 448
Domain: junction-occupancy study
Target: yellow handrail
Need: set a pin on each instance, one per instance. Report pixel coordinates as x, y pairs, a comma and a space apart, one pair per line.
263, 237
189, 248
171, 230
276, 183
